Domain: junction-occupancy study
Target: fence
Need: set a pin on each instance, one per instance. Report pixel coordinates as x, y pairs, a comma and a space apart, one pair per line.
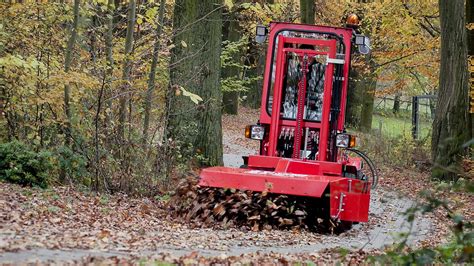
402, 116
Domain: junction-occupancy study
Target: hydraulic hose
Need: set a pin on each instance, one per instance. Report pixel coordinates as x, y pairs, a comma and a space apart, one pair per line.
371, 165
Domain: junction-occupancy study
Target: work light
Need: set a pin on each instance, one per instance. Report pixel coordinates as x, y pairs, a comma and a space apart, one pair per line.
345, 140
360, 39
254, 132
261, 34
363, 43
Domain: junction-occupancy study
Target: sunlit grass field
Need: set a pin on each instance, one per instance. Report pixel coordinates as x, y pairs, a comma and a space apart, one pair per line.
399, 126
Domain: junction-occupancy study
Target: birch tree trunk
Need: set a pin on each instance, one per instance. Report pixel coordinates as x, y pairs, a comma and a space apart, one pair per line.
452, 125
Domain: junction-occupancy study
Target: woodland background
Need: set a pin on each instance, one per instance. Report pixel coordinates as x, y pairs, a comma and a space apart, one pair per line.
127, 95
119, 97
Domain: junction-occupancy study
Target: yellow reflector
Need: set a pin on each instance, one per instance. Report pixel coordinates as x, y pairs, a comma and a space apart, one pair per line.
352, 141
247, 131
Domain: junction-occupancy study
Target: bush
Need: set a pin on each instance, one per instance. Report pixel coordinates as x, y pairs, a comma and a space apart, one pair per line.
74, 164
401, 151
21, 165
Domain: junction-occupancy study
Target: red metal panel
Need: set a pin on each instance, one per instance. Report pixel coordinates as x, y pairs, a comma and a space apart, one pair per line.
298, 167
355, 161
347, 36
275, 125
330, 168
258, 161
271, 162
258, 180
356, 208
292, 123
355, 196
324, 132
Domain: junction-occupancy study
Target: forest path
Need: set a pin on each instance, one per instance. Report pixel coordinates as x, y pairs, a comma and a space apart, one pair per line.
386, 222
68, 226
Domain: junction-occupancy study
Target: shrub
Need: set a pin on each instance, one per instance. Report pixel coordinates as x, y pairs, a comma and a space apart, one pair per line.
21, 165
74, 164
401, 151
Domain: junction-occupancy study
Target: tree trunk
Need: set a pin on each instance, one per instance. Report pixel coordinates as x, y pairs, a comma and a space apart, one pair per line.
255, 65
195, 64
67, 87
307, 11
151, 76
67, 67
452, 124
127, 67
470, 52
353, 102
260, 71
109, 57
231, 98
396, 104
432, 103
369, 84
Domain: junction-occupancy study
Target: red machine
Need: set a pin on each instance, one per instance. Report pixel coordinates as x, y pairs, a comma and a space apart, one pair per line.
304, 150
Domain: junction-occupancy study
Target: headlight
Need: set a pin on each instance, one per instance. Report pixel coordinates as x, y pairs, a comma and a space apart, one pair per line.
345, 141
254, 132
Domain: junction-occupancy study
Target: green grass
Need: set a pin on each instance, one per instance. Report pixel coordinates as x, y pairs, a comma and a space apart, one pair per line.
405, 106
396, 127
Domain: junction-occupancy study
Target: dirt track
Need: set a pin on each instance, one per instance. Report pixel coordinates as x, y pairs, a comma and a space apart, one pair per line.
26, 241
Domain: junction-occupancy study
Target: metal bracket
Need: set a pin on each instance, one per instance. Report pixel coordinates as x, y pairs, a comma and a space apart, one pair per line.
335, 61
341, 205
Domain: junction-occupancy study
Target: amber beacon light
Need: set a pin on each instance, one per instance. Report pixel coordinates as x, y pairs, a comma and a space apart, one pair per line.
353, 20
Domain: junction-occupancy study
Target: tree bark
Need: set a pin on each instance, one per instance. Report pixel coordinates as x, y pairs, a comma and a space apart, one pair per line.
152, 74
452, 125
369, 83
396, 104
353, 102
109, 57
67, 87
195, 66
127, 67
67, 67
307, 11
231, 98
255, 63
470, 52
